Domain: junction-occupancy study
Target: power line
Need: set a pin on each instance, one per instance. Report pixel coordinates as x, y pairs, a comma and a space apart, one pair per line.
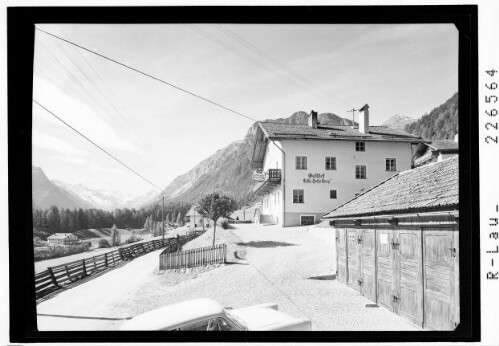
135, 124
148, 75
273, 60
251, 59
95, 144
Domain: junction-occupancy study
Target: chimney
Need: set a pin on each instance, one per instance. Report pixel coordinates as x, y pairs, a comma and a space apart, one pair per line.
364, 119
312, 120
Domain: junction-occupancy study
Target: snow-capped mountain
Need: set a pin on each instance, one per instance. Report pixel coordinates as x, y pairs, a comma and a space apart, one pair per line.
106, 199
46, 194
398, 122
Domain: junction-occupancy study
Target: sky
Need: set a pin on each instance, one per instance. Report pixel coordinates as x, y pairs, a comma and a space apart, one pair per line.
262, 71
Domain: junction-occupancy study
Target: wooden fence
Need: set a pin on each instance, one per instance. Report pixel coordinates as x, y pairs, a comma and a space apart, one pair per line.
58, 277
193, 257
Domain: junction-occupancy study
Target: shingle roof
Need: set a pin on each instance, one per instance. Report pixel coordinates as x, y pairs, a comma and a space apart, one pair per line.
277, 130
444, 145
427, 187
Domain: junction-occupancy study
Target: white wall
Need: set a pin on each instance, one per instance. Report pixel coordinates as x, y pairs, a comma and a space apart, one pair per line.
272, 202
342, 179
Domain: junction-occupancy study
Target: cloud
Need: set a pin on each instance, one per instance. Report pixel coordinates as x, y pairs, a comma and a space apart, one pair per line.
48, 142
79, 115
69, 159
104, 169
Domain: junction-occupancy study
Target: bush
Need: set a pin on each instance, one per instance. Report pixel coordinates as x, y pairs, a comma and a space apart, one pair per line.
225, 224
104, 243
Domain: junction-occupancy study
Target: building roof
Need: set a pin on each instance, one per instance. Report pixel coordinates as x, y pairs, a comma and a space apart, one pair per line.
192, 212
444, 145
275, 130
59, 235
431, 187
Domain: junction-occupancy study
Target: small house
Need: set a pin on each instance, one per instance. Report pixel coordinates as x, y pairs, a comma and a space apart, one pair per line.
398, 244
194, 219
435, 151
63, 239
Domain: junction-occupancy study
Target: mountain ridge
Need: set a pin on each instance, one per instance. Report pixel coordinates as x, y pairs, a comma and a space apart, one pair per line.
46, 194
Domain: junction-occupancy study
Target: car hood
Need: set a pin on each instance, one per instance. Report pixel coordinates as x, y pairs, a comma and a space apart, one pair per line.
256, 318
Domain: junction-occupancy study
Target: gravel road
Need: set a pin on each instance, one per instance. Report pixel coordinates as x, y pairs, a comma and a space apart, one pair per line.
271, 264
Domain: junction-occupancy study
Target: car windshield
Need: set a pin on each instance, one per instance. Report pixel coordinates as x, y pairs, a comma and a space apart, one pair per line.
237, 321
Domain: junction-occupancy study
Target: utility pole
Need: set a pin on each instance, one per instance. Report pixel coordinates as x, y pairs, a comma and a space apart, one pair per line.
163, 218
353, 115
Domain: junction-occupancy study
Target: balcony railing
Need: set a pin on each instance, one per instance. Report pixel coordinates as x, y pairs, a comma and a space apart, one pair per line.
272, 179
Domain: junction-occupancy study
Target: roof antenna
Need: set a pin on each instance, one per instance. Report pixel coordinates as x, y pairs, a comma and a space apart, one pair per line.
353, 110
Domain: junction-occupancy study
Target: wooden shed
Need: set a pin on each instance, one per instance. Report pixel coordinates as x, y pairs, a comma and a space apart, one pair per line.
398, 244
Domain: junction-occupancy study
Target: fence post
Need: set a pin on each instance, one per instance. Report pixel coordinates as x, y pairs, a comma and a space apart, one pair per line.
52, 276
121, 254
84, 267
94, 264
67, 272
105, 260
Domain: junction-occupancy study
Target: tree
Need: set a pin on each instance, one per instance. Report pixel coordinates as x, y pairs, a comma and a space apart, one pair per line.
54, 220
115, 236
214, 206
179, 219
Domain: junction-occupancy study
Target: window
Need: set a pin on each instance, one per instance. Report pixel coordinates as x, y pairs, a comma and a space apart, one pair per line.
360, 146
197, 326
360, 172
332, 194
330, 163
301, 162
391, 165
298, 196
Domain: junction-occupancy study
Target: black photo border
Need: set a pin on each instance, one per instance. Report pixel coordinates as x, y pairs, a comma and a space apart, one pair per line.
20, 43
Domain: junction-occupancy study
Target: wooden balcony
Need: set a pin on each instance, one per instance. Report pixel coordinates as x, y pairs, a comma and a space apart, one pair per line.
272, 180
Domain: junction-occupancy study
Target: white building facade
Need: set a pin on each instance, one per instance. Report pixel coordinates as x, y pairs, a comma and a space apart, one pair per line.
312, 169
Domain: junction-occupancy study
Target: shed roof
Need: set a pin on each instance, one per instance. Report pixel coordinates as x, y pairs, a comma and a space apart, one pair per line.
275, 130
444, 145
431, 187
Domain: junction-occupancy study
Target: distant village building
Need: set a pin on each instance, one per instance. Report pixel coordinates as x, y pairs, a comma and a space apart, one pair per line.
194, 219
63, 239
305, 170
435, 151
398, 244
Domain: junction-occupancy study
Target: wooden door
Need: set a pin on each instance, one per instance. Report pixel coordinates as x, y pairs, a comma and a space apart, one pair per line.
368, 264
409, 275
341, 255
384, 278
353, 259
439, 288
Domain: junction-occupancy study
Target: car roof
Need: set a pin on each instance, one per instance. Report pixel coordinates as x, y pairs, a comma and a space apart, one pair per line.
175, 315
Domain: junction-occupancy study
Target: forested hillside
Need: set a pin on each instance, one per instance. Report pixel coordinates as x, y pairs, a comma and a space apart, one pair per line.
440, 123
55, 220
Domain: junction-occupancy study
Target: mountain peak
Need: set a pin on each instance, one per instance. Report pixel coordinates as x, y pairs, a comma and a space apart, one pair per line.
398, 122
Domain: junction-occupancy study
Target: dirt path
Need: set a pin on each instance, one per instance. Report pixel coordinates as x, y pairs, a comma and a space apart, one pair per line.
276, 267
